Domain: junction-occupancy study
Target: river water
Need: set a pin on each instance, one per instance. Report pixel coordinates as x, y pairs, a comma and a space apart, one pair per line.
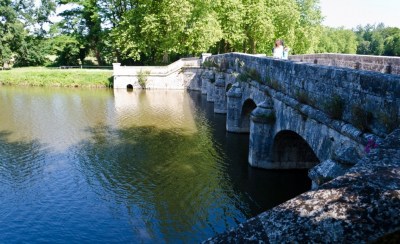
97, 165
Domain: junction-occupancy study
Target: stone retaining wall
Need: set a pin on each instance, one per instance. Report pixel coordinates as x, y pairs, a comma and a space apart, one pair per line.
383, 64
180, 75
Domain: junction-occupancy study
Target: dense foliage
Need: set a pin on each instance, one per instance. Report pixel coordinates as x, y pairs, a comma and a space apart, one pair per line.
152, 32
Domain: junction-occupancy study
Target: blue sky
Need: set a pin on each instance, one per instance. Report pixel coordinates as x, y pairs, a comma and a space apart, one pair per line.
350, 13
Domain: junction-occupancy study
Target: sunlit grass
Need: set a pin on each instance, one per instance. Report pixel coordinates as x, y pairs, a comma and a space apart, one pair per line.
41, 76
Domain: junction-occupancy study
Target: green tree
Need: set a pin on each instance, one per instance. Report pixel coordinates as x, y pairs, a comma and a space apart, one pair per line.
258, 27
230, 14
202, 33
20, 39
337, 40
377, 43
32, 52
67, 49
392, 45
84, 23
363, 47
376, 39
41, 16
308, 30
285, 15
12, 32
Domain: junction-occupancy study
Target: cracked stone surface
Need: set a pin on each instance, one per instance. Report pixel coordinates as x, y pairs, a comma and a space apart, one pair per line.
359, 207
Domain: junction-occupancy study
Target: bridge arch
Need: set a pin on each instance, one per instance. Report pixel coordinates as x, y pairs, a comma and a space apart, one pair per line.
248, 106
129, 87
290, 150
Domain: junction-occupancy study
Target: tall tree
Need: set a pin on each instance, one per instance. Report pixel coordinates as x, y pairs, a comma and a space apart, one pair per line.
392, 45
84, 22
376, 39
258, 27
12, 23
337, 40
231, 15
285, 16
308, 29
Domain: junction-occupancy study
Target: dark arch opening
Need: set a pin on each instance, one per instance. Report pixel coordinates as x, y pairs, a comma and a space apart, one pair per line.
292, 151
248, 106
129, 87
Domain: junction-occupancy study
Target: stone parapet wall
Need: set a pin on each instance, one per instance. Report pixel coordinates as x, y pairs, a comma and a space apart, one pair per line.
370, 101
362, 206
382, 64
179, 75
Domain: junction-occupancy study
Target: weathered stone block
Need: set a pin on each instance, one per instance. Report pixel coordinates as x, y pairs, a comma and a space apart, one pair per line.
210, 91
326, 171
220, 96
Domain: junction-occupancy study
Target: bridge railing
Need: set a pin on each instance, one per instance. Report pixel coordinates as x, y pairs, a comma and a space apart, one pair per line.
382, 64
155, 70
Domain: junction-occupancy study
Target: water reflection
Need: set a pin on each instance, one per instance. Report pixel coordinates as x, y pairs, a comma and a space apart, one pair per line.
144, 166
52, 116
21, 162
163, 109
166, 169
258, 189
165, 176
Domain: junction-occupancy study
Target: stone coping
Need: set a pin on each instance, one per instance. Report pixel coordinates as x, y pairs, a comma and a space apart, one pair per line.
361, 206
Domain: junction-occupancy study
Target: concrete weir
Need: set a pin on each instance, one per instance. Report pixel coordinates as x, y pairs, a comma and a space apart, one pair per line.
340, 123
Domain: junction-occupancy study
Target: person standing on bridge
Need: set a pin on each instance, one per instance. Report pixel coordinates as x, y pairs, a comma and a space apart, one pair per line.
278, 49
285, 53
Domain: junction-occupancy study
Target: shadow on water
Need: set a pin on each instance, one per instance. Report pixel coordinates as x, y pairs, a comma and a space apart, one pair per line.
19, 162
131, 181
170, 181
264, 189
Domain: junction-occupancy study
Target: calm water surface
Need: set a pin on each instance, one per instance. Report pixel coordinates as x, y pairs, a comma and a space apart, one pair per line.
116, 166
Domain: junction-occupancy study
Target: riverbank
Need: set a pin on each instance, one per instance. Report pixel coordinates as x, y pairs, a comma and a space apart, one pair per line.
41, 76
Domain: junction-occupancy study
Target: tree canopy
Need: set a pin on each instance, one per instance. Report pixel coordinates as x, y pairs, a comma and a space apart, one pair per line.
153, 32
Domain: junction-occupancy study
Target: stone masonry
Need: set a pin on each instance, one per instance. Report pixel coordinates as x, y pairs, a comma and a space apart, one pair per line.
382, 64
362, 206
356, 187
341, 120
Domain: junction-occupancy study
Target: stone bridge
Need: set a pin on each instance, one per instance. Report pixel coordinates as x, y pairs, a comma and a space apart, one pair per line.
300, 115
329, 119
336, 121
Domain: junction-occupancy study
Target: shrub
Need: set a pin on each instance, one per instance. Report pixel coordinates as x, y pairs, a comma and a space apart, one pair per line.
361, 118
274, 84
335, 107
210, 64
388, 120
302, 97
254, 75
142, 78
249, 74
243, 77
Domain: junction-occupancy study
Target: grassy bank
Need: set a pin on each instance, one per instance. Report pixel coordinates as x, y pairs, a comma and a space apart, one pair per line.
40, 76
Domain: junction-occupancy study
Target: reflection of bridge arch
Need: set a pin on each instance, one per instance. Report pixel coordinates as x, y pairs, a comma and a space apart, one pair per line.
248, 106
290, 150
